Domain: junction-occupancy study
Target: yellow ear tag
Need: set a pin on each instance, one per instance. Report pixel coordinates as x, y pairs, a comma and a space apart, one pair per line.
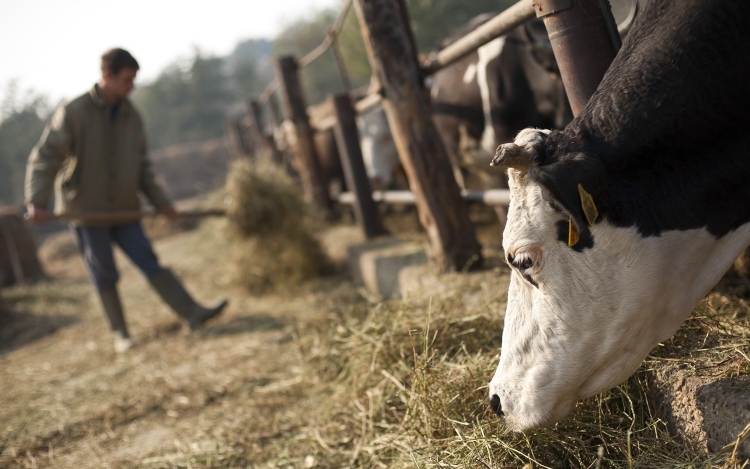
589, 207
572, 233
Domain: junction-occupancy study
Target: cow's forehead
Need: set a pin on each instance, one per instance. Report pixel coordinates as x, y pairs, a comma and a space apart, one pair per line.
531, 220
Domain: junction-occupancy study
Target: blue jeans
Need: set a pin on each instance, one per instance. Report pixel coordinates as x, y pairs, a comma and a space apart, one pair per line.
95, 245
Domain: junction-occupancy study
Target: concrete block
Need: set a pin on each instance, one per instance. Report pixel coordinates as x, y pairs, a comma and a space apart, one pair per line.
709, 413
376, 264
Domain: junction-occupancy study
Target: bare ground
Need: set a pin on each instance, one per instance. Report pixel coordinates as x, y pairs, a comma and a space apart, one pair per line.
70, 401
323, 376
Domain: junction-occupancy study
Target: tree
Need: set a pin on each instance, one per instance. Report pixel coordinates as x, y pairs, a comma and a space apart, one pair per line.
187, 102
431, 20
23, 120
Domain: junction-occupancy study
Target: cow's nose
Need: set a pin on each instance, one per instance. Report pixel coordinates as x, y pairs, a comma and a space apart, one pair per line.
495, 404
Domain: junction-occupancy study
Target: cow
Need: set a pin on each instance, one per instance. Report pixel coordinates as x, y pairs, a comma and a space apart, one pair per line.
620, 223
379, 152
487, 97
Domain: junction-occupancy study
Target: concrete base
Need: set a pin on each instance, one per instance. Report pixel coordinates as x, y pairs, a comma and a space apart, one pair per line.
376, 264
709, 413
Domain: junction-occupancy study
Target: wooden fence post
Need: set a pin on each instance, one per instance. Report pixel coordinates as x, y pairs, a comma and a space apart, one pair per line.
273, 107
258, 131
442, 210
233, 139
347, 140
255, 123
296, 109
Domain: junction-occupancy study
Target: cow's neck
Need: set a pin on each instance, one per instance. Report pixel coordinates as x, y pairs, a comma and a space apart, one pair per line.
681, 158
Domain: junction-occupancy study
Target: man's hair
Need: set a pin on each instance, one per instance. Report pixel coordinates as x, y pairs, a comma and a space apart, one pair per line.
116, 59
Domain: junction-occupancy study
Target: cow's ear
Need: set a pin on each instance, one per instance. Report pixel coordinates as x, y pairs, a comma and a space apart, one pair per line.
574, 185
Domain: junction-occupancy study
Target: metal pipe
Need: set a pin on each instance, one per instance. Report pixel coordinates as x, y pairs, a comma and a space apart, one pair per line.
581, 43
490, 197
503, 23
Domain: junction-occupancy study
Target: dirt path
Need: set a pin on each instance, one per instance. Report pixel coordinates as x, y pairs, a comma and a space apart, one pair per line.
70, 401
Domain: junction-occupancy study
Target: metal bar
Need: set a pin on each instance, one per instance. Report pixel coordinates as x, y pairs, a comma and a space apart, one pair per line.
582, 46
489, 197
609, 20
271, 88
503, 23
368, 102
313, 55
362, 106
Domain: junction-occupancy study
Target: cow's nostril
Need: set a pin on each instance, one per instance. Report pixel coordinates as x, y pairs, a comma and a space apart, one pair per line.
495, 404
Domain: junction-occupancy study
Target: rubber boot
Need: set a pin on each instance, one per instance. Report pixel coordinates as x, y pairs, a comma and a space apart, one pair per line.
113, 310
174, 294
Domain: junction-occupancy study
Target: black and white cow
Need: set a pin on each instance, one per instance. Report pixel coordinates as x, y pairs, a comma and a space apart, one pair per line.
619, 224
487, 97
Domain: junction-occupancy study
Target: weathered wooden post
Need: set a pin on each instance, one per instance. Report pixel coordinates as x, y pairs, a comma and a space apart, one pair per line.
275, 113
233, 139
296, 109
442, 210
255, 123
347, 140
257, 129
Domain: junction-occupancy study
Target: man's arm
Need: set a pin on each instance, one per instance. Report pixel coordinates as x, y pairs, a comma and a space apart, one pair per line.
44, 163
151, 188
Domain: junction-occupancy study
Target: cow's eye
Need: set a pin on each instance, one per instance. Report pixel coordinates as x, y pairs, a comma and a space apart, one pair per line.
524, 260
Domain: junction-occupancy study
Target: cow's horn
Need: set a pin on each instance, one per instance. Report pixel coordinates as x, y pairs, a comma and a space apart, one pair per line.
510, 155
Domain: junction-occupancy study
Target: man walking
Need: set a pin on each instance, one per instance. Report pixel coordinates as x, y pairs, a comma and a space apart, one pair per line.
93, 152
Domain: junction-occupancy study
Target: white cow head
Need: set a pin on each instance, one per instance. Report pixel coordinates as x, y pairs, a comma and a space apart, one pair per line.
581, 319
379, 152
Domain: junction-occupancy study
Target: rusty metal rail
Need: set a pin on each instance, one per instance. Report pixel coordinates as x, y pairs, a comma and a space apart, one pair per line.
503, 23
489, 197
311, 56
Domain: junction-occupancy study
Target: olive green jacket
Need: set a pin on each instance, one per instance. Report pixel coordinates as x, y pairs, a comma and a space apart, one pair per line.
96, 163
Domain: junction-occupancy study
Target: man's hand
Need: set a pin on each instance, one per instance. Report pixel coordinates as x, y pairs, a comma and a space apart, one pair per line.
170, 212
37, 214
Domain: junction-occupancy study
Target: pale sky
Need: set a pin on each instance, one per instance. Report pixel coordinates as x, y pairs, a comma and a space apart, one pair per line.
54, 46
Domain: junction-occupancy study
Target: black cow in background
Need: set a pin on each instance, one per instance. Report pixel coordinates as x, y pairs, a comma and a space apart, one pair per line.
511, 83
486, 98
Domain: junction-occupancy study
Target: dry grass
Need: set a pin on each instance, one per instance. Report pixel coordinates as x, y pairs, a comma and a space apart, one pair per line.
275, 248
263, 199
323, 377
410, 391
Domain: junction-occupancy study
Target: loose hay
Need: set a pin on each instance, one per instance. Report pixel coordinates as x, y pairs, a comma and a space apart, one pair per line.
276, 248
405, 385
263, 199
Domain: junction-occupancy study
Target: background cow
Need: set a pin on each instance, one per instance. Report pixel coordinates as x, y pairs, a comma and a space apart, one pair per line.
487, 97
622, 222
513, 82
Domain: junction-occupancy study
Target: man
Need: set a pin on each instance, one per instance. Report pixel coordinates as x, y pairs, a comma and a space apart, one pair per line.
93, 152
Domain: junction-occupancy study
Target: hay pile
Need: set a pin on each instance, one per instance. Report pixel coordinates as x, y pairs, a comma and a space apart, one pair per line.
276, 249
404, 384
18, 256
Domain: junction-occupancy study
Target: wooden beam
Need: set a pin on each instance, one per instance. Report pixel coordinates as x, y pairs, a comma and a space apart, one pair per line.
347, 140
442, 210
296, 109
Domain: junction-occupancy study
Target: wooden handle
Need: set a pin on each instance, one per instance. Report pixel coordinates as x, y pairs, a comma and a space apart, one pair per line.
131, 215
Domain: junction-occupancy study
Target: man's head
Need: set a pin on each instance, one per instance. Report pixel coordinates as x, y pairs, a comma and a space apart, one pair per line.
119, 69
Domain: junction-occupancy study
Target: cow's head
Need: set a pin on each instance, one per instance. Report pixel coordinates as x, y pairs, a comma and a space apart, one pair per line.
587, 300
